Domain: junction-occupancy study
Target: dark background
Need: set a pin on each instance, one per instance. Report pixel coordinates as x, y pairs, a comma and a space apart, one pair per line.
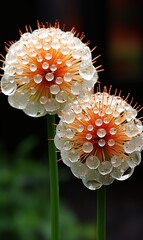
115, 27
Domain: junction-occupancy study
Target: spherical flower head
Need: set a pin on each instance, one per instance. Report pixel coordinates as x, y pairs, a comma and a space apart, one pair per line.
47, 68
100, 138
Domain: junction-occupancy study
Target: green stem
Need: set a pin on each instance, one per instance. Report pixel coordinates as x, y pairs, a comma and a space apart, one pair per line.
54, 187
101, 213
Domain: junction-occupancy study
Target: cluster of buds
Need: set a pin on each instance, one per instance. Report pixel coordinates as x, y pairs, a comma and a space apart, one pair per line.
45, 69
100, 139
51, 71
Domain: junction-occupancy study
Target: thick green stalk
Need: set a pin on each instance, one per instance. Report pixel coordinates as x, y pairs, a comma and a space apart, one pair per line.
101, 213
54, 183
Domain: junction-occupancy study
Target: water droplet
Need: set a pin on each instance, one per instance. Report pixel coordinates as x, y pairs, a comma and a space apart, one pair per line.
45, 65
91, 180
111, 142
87, 147
38, 78
101, 132
105, 167
78, 169
101, 142
49, 76
8, 85
126, 174
92, 162
54, 89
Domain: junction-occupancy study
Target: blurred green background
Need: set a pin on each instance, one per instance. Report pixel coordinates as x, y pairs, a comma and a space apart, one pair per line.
24, 197
115, 27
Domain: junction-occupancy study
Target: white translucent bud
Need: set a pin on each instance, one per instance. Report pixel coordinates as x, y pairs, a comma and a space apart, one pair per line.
129, 146
18, 100
126, 174
91, 180
80, 128
78, 169
70, 133
67, 145
61, 97
86, 70
106, 179
134, 159
8, 85
76, 88
116, 161
59, 143
54, 89
92, 162
34, 109
51, 105
105, 167
68, 117
74, 155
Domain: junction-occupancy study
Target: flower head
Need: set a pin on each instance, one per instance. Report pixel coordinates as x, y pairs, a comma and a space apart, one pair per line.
46, 68
100, 138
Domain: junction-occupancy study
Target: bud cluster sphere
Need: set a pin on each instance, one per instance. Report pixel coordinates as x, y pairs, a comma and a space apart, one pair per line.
100, 138
46, 68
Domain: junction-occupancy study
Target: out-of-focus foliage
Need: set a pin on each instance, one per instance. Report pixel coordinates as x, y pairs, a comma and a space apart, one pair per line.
24, 198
